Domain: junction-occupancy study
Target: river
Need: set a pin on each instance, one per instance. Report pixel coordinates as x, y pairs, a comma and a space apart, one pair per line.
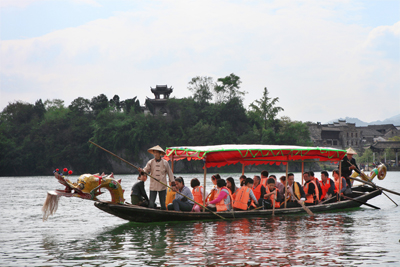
79, 234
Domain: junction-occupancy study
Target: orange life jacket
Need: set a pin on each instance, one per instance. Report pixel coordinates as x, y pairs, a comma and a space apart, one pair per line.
257, 191
212, 194
234, 194
221, 206
310, 198
337, 185
170, 196
242, 198
325, 187
197, 195
271, 197
264, 182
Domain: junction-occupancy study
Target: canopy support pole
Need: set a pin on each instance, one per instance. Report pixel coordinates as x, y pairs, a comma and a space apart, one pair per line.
302, 173
205, 180
172, 163
286, 189
242, 168
340, 179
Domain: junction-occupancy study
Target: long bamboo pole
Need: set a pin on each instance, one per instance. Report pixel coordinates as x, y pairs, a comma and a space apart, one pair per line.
286, 189
205, 181
127, 162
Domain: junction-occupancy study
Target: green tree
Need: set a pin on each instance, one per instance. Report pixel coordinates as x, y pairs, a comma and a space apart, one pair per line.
264, 111
228, 88
99, 103
201, 88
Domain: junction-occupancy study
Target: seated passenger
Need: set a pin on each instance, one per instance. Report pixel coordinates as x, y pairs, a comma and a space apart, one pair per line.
181, 203
223, 200
244, 196
278, 184
317, 182
214, 190
138, 193
311, 190
327, 186
294, 190
242, 180
170, 194
272, 192
230, 184
343, 186
198, 193
264, 178
258, 188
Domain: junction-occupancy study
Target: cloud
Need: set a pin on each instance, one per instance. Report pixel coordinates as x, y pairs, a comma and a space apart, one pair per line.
26, 3
317, 66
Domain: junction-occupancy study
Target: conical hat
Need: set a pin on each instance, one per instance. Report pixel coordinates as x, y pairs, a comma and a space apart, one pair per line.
351, 151
156, 148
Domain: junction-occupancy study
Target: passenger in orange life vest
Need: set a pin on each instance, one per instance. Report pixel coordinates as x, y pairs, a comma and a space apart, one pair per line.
272, 192
311, 190
230, 184
264, 178
343, 187
294, 189
198, 193
244, 196
223, 200
327, 186
258, 189
278, 184
214, 190
317, 182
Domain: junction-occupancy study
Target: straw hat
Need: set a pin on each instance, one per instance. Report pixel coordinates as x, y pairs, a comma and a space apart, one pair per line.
351, 151
156, 148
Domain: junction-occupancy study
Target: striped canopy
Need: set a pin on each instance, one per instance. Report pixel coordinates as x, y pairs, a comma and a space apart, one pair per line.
221, 155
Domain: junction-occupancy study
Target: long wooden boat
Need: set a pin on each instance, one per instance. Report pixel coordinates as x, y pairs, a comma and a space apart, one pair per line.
221, 155
135, 213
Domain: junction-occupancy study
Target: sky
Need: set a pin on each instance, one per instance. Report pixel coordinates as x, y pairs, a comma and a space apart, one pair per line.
324, 60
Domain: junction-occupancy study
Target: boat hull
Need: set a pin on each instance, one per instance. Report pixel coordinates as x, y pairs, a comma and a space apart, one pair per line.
135, 213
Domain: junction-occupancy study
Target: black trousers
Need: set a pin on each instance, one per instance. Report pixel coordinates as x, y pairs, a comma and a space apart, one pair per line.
161, 196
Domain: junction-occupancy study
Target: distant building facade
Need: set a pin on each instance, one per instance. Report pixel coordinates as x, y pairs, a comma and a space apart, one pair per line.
342, 134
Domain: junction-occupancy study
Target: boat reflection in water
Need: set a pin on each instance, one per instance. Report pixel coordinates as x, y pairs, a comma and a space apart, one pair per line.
278, 241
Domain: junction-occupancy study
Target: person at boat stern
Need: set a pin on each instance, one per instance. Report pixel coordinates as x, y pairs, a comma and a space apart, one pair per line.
181, 203
159, 169
138, 193
348, 165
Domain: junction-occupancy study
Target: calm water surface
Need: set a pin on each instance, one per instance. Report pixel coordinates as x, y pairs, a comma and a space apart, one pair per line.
79, 234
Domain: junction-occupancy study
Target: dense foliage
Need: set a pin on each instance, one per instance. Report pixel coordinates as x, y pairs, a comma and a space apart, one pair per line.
37, 138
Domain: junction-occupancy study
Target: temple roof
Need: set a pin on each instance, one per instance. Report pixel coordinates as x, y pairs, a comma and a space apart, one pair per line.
161, 89
386, 144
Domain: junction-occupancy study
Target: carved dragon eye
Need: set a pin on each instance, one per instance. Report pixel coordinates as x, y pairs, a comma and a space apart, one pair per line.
81, 186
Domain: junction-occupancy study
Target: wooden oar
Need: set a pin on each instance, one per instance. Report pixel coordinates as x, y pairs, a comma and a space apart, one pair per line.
156, 179
302, 205
327, 200
273, 204
374, 185
359, 201
390, 198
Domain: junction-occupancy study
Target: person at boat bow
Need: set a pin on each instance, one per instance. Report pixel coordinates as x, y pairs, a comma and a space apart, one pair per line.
181, 203
348, 165
159, 169
138, 193
294, 189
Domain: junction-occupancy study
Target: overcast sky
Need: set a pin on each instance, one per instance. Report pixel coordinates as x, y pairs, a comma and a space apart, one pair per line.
323, 59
